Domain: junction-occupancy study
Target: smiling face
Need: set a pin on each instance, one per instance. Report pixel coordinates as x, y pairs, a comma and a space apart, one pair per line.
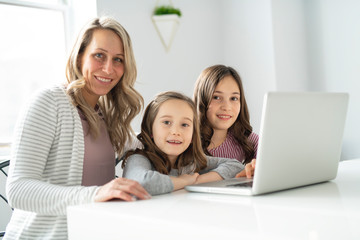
173, 128
102, 64
224, 106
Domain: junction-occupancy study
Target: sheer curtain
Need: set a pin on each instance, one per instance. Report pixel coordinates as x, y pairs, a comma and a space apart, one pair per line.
32, 56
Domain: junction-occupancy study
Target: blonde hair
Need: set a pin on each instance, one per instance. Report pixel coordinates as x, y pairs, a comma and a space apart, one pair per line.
123, 102
193, 156
205, 86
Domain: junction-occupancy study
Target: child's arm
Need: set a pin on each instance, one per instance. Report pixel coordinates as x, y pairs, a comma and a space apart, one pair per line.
208, 177
219, 168
184, 180
139, 168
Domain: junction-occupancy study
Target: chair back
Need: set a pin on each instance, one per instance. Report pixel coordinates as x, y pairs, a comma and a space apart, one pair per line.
6, 210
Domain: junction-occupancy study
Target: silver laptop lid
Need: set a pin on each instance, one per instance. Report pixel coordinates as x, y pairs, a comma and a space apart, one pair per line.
300, 139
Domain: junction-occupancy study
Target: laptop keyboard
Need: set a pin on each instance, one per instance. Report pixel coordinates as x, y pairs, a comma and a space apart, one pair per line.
244, 184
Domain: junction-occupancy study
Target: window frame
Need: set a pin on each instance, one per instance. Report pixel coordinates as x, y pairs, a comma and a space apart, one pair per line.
62, 6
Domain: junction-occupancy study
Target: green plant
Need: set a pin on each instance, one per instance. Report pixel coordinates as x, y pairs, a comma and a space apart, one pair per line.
163, 10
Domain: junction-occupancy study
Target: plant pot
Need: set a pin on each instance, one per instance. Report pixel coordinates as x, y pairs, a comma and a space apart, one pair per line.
166, 26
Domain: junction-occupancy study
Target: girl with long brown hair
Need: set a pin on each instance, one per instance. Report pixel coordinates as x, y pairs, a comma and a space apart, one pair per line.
224, 116
172, 156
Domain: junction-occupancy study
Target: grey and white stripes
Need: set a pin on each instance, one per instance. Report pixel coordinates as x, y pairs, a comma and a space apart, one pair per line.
46, 167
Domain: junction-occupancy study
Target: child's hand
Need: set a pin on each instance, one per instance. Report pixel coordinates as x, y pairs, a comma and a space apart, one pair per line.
183, 180
208, 177
248, 171
189, 178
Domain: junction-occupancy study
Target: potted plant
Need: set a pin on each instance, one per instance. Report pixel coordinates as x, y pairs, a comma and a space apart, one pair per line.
166, 19
166, 10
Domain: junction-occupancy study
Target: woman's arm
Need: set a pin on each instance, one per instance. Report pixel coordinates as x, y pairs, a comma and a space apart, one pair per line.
46, 167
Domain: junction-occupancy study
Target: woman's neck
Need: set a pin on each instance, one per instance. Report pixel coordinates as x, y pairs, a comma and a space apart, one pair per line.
90, 98
217, 138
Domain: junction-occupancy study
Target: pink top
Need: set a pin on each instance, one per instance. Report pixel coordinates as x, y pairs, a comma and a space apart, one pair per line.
99, 157
230, 148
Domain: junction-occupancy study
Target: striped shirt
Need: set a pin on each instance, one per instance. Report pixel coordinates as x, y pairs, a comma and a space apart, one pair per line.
46, 167
230, 148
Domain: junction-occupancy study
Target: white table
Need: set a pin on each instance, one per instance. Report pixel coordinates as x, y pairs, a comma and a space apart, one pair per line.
324, 211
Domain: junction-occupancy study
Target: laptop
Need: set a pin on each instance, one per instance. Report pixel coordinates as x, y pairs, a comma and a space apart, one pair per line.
300, 143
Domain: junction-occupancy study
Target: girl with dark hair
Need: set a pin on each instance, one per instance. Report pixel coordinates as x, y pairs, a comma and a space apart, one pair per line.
224, 116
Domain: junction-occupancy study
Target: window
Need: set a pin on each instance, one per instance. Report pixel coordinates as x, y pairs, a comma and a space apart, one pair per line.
43, 1
32, 56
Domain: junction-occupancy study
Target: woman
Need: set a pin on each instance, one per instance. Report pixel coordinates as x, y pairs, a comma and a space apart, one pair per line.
66, 139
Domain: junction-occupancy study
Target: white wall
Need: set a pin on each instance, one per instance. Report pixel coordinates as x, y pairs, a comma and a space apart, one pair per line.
276, 45
334, 58
195, 46
248, 47
290, 46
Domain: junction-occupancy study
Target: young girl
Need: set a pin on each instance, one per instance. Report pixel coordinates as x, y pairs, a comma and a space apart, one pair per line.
224, 117
172, 157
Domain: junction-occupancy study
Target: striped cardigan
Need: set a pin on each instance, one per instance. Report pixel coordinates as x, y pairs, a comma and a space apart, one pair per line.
46, 167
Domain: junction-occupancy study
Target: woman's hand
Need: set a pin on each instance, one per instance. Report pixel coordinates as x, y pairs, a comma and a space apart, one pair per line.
121, 188
248, 171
